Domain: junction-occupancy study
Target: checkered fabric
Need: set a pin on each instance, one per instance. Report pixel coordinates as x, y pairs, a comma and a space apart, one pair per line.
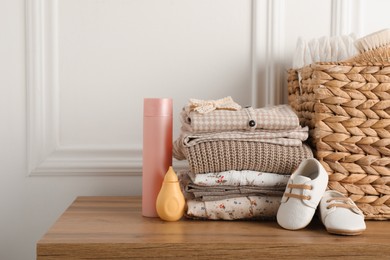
280, 117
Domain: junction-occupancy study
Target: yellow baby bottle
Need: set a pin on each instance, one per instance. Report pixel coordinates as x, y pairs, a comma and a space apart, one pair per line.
170, 202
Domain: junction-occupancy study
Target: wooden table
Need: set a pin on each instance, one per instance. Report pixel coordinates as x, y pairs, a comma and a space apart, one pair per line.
113, 228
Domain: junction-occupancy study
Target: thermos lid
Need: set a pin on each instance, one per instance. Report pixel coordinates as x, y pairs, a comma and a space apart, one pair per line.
157, 107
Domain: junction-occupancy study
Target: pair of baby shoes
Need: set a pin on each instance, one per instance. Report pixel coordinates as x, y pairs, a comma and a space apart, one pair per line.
305, 191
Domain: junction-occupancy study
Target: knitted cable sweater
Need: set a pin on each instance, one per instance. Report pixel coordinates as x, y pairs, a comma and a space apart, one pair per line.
218, 156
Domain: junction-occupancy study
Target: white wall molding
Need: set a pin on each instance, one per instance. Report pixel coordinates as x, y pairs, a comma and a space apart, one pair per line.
45, 155
254, 55
40, 124
91, 162
277, 45
347, 17
268, 41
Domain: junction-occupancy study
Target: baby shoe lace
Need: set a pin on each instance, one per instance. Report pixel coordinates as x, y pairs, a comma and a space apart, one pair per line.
345, 203
298, 196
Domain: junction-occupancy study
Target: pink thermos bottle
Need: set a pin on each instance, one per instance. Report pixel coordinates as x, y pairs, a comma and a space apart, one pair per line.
157, 150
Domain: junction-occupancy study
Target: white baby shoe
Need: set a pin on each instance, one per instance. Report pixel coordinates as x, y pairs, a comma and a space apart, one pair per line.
340, 215
302, 195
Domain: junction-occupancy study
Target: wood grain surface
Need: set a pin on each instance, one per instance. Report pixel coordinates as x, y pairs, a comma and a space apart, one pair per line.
113, 228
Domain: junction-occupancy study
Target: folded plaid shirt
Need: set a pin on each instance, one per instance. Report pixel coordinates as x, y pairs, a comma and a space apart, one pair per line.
280, 117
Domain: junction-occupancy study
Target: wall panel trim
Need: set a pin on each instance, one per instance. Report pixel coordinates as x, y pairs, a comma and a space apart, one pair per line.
347, 17
45, 154
268, 34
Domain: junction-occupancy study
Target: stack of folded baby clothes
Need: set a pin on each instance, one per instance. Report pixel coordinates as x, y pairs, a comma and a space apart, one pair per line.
239, 158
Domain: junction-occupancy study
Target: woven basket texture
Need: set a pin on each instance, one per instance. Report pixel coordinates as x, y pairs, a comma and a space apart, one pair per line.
347, 108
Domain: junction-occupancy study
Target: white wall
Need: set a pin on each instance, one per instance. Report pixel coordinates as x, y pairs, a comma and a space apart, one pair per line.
73, 76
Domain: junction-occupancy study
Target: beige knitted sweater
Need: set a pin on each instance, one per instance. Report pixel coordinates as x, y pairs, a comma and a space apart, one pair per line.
227, 155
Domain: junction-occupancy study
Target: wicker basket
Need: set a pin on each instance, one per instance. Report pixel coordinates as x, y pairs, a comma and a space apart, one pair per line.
347, 108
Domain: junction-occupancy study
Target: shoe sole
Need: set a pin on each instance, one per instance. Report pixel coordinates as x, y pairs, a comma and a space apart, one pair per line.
345, 232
